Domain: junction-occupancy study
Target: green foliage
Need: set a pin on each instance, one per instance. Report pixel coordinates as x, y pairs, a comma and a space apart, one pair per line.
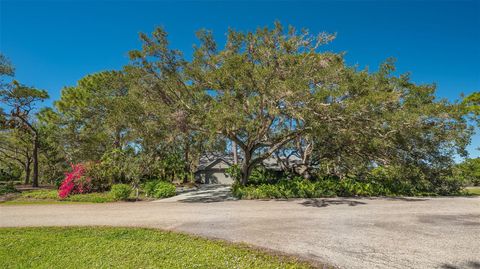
409, 181
472, 104
260, 84
258, 175
6, 67
159, 189
109, 120
125, 166
380, 119
149, 187
22, 96
115, 166
10, 172
103, 247
261, 175
16, 154
294, 188
234, 172
468, 172
96, 116
169, 168
20, 101
328, 187
273, 90
7, 188
121, 192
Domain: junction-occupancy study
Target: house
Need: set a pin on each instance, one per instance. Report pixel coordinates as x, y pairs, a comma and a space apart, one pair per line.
212, 168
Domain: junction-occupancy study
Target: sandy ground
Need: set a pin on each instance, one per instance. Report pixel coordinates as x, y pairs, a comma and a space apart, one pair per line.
347, 233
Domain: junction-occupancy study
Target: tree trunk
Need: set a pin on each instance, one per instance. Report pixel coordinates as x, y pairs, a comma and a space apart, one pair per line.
246, 167
234, 149
187, 161
27, 172
246, 170
116, 143
35, 162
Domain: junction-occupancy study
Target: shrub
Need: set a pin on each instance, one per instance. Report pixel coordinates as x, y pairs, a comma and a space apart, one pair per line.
8, 188
468, 172
445, 186
234, 172
149, 187
114, 167
10, 174
159, 189
328, 187
262, 175
120, 191
75, 182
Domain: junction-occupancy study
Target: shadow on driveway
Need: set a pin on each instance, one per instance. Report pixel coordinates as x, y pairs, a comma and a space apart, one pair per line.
327, 202
204, 194
470, 264
320, 202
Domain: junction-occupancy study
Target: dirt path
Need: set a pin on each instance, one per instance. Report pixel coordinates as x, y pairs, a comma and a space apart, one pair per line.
348, 233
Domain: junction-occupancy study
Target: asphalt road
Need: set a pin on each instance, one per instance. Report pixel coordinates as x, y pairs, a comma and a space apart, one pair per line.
346, 233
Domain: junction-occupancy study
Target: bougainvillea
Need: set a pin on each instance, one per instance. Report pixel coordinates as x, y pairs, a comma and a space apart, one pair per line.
75, 182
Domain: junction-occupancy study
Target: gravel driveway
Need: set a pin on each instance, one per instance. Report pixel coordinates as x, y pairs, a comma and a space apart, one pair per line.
347, 233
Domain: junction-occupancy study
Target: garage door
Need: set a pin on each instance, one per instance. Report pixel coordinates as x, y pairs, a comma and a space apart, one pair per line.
217, 176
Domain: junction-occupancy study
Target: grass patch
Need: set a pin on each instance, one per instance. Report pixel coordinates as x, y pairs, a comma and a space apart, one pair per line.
51, 197
35, 202
96, 247
40, 194
94, 197
473, 190
43, 197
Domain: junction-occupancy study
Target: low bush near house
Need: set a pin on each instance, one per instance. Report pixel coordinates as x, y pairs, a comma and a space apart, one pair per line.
159, 189
303, 188
120, 191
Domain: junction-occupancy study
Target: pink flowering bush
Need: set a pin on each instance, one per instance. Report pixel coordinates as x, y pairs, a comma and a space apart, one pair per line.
75, 182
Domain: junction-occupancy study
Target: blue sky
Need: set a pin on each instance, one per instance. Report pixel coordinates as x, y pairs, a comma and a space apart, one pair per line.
55, 43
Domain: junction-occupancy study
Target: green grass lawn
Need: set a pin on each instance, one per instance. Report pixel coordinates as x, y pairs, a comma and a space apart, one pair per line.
473, 190
102, 247
51, 197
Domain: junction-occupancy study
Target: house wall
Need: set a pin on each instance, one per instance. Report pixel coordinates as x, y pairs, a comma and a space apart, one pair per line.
213, 176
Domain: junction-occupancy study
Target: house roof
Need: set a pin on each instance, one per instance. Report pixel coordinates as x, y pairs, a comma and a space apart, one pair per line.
271, 163
210, 158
